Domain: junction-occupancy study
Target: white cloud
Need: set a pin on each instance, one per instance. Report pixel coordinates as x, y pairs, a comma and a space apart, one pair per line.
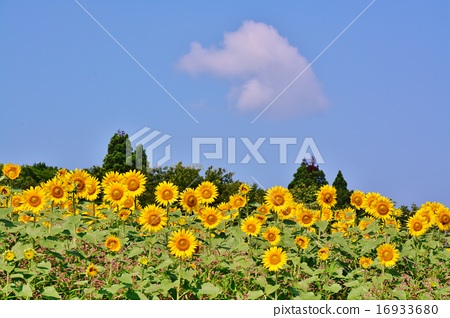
260, 64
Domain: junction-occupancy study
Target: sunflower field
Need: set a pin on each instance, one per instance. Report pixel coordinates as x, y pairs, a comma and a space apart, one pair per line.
76, 237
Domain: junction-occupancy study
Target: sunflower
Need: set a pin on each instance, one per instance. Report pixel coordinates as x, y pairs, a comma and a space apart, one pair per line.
25, 218
443, 218
388, 255
128, 203
9, 256
326, 214
287, 213
302, 242
427, 214
207, 192
305, 217
224, 207
56, 190
364, 223
189, 199
135, 182
17, 203
272, 235
113, 243
11, 171
237, 201
34, 199
323, 253
153, 218
417, 225
357, 199
365, 262
124, 214
368, 200
91, 270
4, 191
251, 226
143, 260
263, 209
116, 193
278, 198
211, 217
112, 176
326, 196
346, 215
382, 208
182, 243
93, 188
79, 180
244, 188
29, 253
261, 218
166, 193
392, 222
274, 258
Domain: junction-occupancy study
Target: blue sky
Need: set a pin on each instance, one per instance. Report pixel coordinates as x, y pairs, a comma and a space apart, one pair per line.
376, 101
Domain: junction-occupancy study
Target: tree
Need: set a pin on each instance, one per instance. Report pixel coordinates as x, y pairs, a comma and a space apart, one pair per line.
31, 176
307, 181
343, 194
119, 158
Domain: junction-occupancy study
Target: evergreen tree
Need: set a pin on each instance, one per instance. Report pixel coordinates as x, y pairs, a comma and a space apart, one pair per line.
307, 181
343, 194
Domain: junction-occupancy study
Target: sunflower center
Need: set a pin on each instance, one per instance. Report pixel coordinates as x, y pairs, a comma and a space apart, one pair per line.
133, 185
57, 192
35, 201
417, 226
128, 203
238, 202
279, 200
12, 174
306, 218
383, 209
211, 219
445, 219
274, 259
271, 237
357, 200
387, 255
80, 185
286, 211
183, 244
328, 198
251, 228
92, 190
167, 194
154, 220
191, 201
117, 194
206, 194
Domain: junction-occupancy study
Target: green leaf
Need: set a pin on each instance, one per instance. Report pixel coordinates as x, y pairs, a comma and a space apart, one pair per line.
164, 264
307, 296
25, 291
135, 251
188, 275
306, 269
50, 292
356, 293
209, 289
261, 281
399, 294
167, 284
76, 253
269, 289
126, 279
255, 294
112, 289
334, 288
322, 225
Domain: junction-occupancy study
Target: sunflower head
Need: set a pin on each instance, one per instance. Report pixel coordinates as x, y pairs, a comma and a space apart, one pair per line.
302, 242
153, 218
237, 201
369, 199
182, 243
211, 217
278, 198
113, 243
79, 182
190, 200
124, 214
305, 217
326, 215
9, 256
443, 218
263, 209
288, 213
323, 253
29, 253
116, 193
274, 258
244, 188
365, 262
388, 255
4, 191
272, 235
93, 188
207, 192
251, 226
326, 196
91, 270
11, 171
166, 193
35, 199
357, 199
56, 190
135, 182
143, 260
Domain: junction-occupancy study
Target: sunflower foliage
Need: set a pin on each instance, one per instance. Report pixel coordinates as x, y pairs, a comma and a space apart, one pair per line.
79, 237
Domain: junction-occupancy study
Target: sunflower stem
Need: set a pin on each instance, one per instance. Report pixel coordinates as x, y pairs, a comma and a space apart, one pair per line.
179, 280
276, 283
